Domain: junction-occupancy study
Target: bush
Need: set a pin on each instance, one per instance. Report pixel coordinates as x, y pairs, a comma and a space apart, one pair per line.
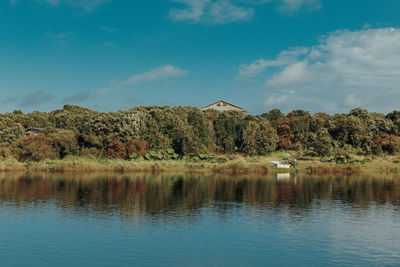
321, 143
116, 149
168, 154
63, 142
33, 147
137, 148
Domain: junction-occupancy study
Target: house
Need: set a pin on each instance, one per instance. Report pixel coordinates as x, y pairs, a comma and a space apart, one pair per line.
223, 105
33, 130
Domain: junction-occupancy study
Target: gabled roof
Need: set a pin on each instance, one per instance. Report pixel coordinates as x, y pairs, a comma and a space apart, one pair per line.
236, 106
34, 129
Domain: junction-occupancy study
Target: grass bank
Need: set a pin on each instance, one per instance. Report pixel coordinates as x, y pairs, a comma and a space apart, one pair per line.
75, 164
237, 165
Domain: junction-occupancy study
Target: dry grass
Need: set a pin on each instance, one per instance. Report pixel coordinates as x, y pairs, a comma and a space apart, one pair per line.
7, 165
239, 165
76, 164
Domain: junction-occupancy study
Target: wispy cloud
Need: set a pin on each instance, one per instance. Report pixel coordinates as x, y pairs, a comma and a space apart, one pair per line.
85, 5
9, 100
211, 11
227, 11
291, 6
347, 68
58, 36
108, 29
276, 101
35, 99
260, 65
13, 2
161, 73
76, 98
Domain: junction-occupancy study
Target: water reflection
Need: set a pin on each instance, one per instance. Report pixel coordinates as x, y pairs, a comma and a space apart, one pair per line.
185, 193
188, 220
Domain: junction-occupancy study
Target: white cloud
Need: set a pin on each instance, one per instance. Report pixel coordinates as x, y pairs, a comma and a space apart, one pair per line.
293, 74
275, 101
211, 11
346, 69
227, 11
224, 11
292, 6
260, 65
85, 5
161, 73
194, 10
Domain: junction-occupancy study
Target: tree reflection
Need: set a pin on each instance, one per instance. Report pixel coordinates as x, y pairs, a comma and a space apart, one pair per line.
188, 193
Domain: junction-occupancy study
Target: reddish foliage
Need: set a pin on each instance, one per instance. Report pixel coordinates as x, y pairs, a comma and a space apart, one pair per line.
33, 147
381, 141
284, 133
134, 146
387, 143
116, 149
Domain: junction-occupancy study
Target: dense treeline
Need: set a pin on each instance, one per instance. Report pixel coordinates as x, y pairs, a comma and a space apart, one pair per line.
165, 132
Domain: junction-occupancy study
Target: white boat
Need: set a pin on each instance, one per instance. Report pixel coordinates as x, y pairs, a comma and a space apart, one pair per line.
281, 165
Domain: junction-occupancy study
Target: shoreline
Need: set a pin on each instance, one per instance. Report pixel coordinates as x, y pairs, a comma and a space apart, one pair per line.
238, 165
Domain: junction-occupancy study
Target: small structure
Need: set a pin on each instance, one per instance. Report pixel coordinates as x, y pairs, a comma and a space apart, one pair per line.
223, 105
281, 165
33, 130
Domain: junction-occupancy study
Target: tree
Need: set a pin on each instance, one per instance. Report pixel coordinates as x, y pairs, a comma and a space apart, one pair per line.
229, 127
10, 130
321, 143
273, 116
284, 134
63, 142
259, 138
299, 121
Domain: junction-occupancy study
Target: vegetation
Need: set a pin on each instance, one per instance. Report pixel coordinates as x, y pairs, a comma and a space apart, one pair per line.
190, 135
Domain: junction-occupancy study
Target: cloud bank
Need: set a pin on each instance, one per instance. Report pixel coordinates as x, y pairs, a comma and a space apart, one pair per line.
346, 69
35, 99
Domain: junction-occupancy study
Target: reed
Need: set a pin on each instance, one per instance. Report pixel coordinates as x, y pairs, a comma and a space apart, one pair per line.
238, 165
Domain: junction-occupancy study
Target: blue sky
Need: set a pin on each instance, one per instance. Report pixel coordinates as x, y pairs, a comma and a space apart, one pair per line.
317, 55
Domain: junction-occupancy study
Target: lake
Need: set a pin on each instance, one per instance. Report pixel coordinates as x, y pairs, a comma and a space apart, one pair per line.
192, 220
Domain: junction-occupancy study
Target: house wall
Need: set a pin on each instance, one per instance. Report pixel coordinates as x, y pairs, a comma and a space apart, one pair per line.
223, 107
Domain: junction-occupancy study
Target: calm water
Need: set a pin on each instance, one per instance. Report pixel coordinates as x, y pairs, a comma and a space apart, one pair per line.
51, 220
